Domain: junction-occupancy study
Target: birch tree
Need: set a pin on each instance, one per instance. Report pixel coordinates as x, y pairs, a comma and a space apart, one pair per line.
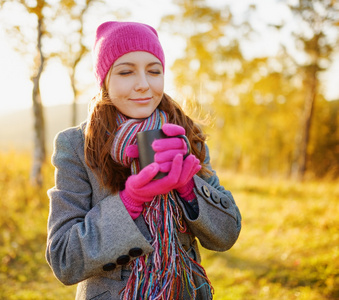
31, 46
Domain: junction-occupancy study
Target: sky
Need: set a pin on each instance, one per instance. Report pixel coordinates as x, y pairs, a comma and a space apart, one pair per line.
16, 88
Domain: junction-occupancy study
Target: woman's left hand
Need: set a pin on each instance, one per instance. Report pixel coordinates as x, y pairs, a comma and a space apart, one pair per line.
191, 166
166, 149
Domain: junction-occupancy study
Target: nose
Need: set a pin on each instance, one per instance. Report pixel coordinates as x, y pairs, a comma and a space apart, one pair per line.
141, 84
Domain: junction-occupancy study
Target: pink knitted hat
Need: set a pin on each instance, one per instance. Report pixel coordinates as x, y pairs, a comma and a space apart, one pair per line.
114, 39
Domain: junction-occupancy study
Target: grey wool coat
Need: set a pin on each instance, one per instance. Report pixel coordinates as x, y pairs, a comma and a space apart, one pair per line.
91, 236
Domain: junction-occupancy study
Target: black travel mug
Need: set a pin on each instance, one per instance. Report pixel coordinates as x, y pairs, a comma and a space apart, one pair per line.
146, 152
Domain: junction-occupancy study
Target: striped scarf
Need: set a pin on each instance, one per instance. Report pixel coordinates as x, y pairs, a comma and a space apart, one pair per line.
167, 272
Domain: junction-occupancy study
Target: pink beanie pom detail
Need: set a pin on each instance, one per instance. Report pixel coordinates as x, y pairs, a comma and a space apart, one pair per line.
114, 39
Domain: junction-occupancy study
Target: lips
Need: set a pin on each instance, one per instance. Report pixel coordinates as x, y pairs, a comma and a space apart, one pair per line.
142, 100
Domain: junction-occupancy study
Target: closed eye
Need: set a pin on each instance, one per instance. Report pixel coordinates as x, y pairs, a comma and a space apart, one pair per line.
155, 72
124, 73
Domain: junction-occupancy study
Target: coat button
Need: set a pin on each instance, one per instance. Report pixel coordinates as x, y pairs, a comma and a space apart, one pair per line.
224, 202
123, 260
135, 252
109, 267
206, 191
215, 197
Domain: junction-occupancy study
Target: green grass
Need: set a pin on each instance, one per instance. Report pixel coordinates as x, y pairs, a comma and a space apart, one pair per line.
288, 247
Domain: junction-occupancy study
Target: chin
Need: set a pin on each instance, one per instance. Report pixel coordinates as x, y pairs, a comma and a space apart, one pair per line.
141, 114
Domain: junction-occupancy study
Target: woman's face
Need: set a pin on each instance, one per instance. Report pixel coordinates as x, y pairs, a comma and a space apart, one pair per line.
135, 84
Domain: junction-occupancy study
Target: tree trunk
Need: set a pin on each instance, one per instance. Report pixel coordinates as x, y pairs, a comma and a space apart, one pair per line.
311, 91
39, 151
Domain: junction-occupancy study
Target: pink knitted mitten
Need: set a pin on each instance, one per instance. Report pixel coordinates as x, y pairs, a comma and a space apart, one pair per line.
140, 188
166, 149
191, 166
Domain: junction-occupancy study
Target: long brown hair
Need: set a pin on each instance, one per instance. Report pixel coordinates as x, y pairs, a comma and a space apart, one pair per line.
99, 136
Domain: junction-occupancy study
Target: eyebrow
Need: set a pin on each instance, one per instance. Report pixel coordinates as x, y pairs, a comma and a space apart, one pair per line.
132, 64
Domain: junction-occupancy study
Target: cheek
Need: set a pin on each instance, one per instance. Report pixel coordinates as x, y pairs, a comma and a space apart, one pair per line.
158, 86
117, 89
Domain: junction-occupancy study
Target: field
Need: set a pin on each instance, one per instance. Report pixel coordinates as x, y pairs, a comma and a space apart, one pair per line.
288, 247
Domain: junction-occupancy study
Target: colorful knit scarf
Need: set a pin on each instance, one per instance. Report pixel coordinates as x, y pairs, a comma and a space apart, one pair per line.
167, 272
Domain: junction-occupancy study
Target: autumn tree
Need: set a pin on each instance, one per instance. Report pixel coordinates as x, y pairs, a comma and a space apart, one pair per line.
210, 61
74, 47
31, 46
73, 40
255, 101
45, 23
316, 38
214, 72
324, 146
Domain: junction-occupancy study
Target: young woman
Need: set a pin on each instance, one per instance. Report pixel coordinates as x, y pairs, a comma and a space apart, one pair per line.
112, 228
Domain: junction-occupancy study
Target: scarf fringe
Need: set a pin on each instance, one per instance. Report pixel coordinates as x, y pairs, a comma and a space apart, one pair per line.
167, 271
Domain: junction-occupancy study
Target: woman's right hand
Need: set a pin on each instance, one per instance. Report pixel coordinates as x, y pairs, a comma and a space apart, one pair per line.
141, 188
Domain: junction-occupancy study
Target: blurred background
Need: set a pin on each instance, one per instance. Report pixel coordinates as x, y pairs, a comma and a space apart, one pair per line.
263, 78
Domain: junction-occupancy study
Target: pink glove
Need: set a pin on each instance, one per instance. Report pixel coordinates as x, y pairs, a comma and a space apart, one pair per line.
191, 166
140, 188
166, 149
